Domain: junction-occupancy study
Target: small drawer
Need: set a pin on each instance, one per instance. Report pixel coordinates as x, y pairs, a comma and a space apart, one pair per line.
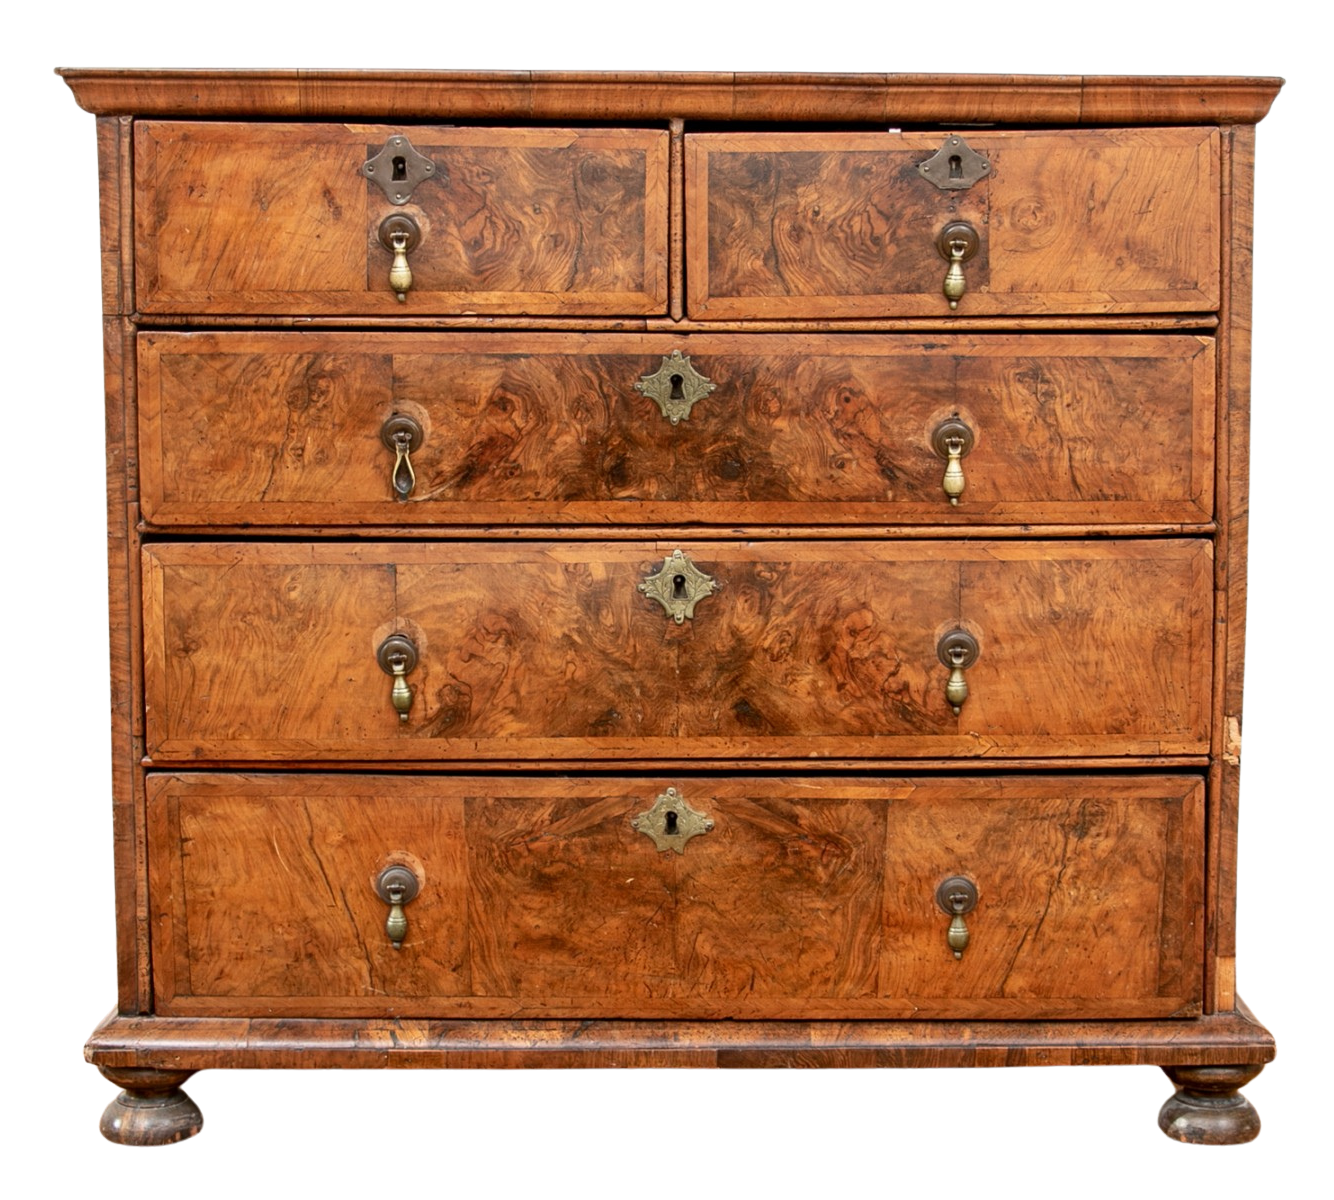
804, 897
731, 650
277, 218
846, 225
288, 429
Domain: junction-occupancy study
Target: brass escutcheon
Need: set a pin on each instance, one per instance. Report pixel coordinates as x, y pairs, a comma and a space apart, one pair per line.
398, 168
679, 586
956, 165
671, 822
675, 387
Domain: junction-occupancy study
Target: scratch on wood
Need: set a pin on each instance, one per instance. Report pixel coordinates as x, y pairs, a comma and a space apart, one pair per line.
1232, 742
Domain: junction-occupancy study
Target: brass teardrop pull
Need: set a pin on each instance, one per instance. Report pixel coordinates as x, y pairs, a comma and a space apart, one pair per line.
957, 243
396, 886
957, 650
952, 440
397, 655
399, 234
402, 434
957, 897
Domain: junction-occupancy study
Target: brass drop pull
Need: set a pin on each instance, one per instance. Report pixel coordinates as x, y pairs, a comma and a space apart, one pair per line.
399, 234
958, 650
952, 440
679, 586
402, 434
957, 897
397, 655
957, 243
396, 886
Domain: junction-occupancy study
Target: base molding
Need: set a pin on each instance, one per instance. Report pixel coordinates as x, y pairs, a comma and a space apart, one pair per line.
1208, 1058
199, 1043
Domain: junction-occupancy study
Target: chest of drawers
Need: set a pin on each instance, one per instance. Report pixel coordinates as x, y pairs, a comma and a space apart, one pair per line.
702, 570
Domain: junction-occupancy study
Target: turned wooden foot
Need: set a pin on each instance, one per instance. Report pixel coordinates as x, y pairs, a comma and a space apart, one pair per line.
1207, 1108
152, 1110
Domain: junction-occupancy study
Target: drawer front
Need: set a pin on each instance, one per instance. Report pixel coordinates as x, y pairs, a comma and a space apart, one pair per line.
844, 224
555, 652
808, 898
288, 428
249, 218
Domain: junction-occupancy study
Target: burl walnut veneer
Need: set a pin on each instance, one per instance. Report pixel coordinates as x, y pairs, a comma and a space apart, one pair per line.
693, 570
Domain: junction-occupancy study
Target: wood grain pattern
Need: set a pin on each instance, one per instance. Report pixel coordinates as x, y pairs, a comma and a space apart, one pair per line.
549, 651
243, 428
277, 218
810, 896
810, 225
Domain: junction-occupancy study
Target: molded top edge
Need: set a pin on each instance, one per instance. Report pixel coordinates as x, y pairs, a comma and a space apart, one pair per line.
643, 96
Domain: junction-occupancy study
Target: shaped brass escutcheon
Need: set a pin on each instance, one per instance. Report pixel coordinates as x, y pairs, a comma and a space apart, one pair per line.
679, 586
955, 166
675, 387
671, 822
398, 168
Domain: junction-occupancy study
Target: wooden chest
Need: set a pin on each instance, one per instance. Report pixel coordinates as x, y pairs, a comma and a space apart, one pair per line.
702, 570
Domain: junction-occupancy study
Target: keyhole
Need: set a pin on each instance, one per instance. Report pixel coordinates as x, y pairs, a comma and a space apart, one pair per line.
956, 167
669, 822
677, 393
678, 593
401, 167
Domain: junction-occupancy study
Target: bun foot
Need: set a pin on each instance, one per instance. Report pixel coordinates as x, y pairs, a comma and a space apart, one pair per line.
1208, 1109
152, 1110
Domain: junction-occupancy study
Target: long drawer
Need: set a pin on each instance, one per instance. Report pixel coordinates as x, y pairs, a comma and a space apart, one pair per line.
635, 650
300, 428
806, 897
